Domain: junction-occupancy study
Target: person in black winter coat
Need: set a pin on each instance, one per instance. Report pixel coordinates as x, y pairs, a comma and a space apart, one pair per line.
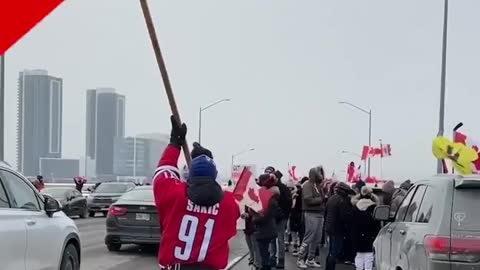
277, 247
295, 222
265, 227
338, 217
364, 228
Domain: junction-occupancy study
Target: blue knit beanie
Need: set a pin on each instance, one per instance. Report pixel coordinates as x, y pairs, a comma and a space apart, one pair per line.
202, 167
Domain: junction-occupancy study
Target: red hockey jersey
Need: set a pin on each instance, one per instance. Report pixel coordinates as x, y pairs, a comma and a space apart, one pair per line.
191, 234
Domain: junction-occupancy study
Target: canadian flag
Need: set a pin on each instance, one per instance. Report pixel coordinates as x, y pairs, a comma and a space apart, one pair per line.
249, 194
470, 142
369, 152
383, 151
291, 172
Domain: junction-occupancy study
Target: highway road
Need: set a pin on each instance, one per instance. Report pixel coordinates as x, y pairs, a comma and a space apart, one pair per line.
95, 255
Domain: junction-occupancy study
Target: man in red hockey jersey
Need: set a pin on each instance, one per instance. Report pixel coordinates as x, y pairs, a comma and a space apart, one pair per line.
196, 217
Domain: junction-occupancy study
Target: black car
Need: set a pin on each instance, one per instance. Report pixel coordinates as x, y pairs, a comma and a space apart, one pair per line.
105, 194
73, 203
133, 219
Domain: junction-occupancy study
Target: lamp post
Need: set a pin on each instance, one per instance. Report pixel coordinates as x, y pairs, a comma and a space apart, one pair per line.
200, 116
441, 120
237, 154
369, 113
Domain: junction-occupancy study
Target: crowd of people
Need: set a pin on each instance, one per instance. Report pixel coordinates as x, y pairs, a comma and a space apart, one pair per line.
313, 213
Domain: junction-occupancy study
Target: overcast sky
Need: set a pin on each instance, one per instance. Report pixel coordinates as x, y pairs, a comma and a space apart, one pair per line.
284, 64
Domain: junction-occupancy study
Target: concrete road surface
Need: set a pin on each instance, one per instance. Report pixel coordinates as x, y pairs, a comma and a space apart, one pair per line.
95, 255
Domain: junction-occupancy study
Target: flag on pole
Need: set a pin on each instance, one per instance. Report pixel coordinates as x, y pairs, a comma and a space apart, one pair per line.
248, 193
291, 172
386, 150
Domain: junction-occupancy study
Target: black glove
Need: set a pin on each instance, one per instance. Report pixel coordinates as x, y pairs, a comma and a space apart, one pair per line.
199, 150
178, 133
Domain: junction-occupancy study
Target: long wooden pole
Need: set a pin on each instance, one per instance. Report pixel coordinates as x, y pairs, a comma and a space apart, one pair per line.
163, 71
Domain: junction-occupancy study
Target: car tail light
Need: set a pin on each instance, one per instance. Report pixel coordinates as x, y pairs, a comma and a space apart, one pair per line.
116, 211
456, 248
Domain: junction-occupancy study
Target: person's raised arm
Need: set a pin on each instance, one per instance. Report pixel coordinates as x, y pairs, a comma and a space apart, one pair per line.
167, 171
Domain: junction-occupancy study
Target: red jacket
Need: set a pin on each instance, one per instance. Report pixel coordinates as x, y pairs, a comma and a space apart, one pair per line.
191, 234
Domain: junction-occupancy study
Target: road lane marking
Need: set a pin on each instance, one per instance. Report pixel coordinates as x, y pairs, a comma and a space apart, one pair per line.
234, 262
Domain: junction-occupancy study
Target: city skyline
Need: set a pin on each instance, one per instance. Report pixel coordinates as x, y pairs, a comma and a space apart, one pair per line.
40, 124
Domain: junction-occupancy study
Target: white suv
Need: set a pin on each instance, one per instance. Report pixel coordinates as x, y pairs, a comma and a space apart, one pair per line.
34, 233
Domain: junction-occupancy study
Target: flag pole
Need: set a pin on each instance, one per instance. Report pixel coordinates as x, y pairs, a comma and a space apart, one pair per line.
163, 71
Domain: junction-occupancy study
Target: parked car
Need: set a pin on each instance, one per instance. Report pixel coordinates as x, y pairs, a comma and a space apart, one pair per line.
105, 194
35, 234
437, 226
73, 202
133, 220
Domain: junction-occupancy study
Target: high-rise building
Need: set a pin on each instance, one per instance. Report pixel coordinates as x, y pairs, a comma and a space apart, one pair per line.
137, 156
105, 123
39, 123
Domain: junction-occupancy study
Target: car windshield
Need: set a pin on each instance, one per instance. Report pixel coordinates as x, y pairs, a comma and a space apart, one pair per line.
145, 195
57, 193
111, 188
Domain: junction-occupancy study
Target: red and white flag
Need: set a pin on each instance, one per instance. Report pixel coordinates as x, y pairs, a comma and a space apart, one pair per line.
249, 194
369, 152
386, 150
291, 172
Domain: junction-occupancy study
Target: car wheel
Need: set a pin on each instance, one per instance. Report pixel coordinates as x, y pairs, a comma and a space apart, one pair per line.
70, 259
91, 214
85, 213
105, 213
114, 247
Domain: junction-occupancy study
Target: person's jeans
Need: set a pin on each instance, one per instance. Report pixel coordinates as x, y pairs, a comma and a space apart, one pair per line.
364, 261
277, 246
334, 251
313, 234
253, 250
263, 245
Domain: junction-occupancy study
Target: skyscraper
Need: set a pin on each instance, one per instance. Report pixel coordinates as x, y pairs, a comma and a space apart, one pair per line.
105, 123
39, 123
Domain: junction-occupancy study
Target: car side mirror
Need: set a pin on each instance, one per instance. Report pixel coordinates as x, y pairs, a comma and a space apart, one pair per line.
382, 213
51, 205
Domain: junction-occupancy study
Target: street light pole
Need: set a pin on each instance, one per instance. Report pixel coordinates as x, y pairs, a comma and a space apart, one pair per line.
442, 82
369, 113
200, 116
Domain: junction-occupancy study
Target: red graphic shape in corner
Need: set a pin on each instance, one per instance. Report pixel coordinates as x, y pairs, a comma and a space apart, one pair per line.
17, 17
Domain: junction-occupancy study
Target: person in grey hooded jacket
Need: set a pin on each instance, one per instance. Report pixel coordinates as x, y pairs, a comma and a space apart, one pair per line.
398, 196
314, 201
